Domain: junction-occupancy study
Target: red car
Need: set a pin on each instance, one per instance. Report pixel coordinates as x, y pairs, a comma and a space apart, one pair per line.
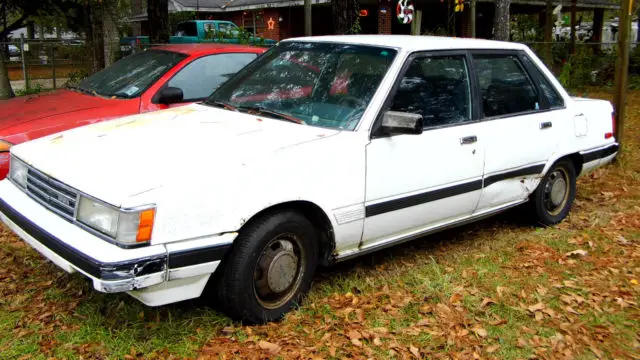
156, 79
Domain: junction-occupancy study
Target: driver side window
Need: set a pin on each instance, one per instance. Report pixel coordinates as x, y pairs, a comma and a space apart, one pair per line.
436, 87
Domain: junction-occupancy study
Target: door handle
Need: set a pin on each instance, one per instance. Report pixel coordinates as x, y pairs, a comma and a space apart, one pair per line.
546, 125
468, 140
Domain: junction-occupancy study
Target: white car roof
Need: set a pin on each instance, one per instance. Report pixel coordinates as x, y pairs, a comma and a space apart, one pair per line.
414, 43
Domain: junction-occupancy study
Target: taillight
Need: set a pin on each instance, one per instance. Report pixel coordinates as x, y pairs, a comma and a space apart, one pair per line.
609, 135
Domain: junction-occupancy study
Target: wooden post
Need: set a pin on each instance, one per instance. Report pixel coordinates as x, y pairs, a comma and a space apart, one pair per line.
473, 18
416, 24
307, 18
572, 44
548, 33
623, 70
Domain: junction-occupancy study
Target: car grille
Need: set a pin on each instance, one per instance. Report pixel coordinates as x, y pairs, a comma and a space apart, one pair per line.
51, 193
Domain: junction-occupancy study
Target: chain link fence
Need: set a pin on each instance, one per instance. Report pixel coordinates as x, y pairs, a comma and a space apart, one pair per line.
36, 65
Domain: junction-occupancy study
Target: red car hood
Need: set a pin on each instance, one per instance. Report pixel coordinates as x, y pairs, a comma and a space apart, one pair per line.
20, 110
29, 117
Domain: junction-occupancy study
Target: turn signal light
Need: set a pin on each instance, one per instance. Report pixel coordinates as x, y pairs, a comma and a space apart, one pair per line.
146, 225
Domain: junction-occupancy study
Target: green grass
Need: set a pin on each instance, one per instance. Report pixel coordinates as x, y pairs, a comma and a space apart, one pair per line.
426, 294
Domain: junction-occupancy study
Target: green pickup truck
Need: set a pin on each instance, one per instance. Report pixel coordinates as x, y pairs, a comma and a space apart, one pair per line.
199, 31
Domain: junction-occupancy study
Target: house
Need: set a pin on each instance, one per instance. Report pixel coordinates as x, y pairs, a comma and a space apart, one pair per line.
279, 19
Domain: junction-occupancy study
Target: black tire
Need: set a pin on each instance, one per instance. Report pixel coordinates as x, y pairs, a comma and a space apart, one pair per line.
550, 208
246, 290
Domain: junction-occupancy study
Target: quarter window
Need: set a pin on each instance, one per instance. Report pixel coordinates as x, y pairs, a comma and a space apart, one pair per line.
550, 93
505, 87
436, 87
198, 79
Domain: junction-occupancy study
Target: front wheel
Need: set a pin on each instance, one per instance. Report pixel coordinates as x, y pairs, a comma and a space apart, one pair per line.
554, 196
269, 268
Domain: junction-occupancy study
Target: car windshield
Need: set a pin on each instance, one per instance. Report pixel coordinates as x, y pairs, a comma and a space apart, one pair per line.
320, 84
130, 76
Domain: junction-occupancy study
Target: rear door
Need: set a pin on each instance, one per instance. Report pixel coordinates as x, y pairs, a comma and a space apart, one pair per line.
520, 118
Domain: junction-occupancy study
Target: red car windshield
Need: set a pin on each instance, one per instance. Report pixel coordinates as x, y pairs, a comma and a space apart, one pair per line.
320, 84
130, 76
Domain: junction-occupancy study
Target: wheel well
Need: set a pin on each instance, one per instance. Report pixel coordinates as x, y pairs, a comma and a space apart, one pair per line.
317, 217
576, 159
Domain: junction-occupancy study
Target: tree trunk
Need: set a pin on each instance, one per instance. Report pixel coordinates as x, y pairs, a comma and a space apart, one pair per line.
158, 15
110, 30
5, 86
345, 15
501, 20
93, 13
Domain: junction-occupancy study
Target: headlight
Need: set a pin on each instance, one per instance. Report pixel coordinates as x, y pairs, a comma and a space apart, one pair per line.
125, 227
18, 171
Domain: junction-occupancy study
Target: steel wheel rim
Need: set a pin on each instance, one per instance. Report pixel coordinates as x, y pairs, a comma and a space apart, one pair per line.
279, 271
556, 191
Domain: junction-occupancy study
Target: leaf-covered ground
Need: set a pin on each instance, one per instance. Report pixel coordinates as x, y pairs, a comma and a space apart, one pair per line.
496, 289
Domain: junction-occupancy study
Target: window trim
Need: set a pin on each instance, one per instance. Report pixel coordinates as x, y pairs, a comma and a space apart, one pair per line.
156, 96
473, 90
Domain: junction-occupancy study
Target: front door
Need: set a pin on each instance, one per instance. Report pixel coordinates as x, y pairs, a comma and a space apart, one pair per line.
415, 182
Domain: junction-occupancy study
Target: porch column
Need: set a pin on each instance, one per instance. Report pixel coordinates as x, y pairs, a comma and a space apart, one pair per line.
384, 18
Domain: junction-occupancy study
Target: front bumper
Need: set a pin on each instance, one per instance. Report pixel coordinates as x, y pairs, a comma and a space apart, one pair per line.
111, 268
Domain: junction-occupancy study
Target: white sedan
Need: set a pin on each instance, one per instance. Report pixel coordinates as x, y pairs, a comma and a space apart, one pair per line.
320, 150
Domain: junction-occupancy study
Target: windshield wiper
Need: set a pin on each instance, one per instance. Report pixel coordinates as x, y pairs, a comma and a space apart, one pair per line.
82, 90
221, 104
272, 113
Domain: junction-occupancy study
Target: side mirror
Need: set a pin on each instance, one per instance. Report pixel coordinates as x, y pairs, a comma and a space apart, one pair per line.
396, 122
169, 95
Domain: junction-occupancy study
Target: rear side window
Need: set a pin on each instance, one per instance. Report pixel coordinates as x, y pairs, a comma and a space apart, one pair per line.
199, 78
187, 29
548, 91
505, 87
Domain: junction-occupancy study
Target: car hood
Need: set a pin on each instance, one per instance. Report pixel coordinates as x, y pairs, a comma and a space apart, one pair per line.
117, 159
22, 110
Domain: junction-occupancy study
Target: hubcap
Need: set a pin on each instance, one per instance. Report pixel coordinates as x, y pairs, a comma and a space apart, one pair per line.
556, 191
278, 271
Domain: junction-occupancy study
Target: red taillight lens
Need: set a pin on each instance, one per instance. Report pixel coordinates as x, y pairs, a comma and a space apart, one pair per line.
609, 135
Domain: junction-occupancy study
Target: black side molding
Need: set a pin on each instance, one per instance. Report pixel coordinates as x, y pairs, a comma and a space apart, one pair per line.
413, 200
600, 153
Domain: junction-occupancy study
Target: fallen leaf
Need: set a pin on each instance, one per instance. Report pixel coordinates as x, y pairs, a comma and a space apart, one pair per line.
622, 240
576, 253
522, 343
566, 298
414, 350
537, 307
376, 342
493, 348
353, 334
423, 322
270, 347
455, 298
633, 281
356, 342
538, 316
332, 351
481, 332
498, 322
487, 301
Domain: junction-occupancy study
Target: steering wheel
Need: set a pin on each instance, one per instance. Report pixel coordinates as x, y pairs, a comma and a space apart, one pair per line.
345, 101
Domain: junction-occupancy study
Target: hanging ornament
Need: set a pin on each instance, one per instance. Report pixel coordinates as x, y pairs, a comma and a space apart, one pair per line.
404, 11
459, 5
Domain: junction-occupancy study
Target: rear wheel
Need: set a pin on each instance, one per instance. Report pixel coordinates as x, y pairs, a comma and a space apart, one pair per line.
269, 268
554, 196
